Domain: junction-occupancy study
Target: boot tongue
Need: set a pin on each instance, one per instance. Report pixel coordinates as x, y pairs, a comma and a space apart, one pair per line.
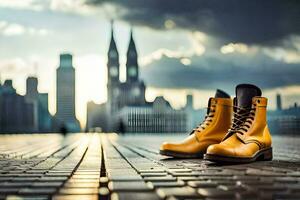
245, 93
221, 94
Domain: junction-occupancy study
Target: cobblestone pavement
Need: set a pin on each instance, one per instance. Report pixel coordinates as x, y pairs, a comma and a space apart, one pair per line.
105, 166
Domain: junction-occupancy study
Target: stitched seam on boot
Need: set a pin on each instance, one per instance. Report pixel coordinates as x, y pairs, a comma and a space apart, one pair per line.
212, 141
197, 139
261, 146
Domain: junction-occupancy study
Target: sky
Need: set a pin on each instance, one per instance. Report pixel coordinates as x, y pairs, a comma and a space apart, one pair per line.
184, 47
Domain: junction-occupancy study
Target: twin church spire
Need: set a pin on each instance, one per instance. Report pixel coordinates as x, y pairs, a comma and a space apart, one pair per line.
114, 64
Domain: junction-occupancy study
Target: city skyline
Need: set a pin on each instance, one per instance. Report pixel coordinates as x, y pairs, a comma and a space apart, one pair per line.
181, 48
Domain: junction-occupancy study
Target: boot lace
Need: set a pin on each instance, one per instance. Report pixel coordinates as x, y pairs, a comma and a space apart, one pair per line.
207, 120
242, 119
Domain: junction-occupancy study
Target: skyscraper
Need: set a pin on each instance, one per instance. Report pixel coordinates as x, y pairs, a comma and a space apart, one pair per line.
32, 97
65, 94
31, 88
278, 102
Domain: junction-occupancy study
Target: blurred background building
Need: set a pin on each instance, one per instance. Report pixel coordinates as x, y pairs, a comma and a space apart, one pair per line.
284, 121
24, 114
30, 113
65, 95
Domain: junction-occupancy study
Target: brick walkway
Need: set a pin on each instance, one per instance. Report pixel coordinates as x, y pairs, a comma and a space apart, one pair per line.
99, 166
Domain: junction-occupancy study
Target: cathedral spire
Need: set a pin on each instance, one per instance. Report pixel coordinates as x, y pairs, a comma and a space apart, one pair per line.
112, 45
132, 71
131, 46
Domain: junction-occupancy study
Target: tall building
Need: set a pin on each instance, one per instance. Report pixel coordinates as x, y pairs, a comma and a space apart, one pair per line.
16, 114
189, 102
32, 88
32, 97
278, 102
193, 116
65, 94
45, 119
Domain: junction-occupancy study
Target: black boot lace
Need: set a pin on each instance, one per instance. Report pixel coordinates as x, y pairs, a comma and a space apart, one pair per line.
242, 119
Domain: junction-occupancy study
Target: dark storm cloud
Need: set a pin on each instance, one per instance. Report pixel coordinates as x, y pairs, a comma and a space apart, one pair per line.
248, 21
170, 73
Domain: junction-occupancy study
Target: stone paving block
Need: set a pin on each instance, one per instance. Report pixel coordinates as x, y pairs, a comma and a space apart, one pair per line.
202, 184
182, 192
81, 185
215, 192
134, 196
153, 174
27, 197
159, 184
130, 186
126, 178
47, 184
74, 197
78, 191
160, 178
37, 191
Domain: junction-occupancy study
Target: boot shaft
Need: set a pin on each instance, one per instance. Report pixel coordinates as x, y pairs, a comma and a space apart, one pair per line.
255, 128
221, 111
260, 106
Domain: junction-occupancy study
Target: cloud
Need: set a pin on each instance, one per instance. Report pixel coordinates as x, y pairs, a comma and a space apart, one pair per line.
285, 55
36, 5
210, 72
64, 6
71, 6
15, 66
250, 21
13, 29
158, 54
237, 47
287, 51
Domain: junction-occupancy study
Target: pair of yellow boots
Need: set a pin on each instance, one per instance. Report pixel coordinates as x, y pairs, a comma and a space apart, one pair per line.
233, 131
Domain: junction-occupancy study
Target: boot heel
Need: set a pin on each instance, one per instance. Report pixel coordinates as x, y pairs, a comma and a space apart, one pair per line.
266, 155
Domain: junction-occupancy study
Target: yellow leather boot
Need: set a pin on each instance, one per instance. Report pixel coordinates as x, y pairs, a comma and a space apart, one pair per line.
210, 131
249, 138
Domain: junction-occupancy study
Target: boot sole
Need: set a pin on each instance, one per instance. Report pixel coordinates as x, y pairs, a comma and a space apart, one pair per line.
176, 154
262, 155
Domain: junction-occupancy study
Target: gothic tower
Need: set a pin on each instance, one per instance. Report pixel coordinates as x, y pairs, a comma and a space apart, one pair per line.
113, 71
132, 69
